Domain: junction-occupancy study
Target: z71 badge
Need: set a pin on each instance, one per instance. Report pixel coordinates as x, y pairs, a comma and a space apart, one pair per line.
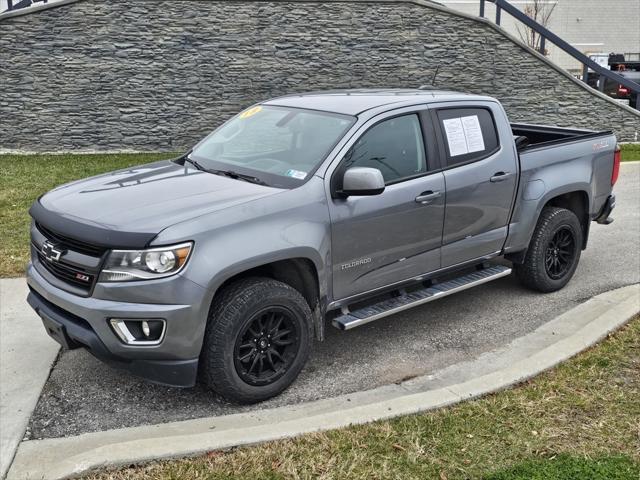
600, 145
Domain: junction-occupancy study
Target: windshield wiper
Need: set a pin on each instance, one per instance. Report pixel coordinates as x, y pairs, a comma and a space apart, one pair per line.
226, 173
237, 176
194, 163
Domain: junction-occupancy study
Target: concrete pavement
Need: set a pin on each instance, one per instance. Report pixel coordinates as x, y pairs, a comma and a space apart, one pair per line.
555, 341
26, 356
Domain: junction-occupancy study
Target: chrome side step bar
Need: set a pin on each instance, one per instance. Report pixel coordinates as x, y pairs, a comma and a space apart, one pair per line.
353, 319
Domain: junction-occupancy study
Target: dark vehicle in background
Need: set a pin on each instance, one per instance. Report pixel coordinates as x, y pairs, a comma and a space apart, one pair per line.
629, 69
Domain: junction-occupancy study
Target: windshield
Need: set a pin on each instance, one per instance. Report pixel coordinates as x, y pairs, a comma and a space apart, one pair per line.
280, 146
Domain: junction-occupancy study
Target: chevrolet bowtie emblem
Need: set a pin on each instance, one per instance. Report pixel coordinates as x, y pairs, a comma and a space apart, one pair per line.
51, 252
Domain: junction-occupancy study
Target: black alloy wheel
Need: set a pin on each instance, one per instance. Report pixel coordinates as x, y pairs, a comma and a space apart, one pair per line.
267, 346
560, 252
554, 251
257, 340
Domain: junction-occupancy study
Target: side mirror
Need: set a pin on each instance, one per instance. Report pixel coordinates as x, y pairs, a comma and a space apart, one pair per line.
360, 181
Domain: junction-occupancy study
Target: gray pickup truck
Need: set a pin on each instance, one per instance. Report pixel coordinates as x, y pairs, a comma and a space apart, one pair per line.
343, 207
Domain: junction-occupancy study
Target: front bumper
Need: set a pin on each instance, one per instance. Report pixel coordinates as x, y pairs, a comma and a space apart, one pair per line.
72, 332
76, 321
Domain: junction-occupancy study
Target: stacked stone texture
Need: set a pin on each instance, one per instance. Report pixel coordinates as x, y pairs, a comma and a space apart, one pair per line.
159, 75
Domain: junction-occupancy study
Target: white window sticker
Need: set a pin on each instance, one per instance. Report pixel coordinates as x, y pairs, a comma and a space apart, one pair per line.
455, 136
473, 133
296, 174
464, 135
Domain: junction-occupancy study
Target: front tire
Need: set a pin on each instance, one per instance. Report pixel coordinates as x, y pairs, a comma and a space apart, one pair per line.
554, 251
257, 340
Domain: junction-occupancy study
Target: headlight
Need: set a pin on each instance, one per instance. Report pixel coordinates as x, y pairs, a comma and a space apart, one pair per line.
128, 265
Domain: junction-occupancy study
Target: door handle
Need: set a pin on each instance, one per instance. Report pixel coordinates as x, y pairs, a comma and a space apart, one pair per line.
500, 177
426, 197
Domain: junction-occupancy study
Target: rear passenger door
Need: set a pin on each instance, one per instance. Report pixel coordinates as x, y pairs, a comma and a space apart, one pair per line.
480, 170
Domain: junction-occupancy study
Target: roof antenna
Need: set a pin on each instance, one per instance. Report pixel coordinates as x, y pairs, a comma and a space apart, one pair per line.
433, 80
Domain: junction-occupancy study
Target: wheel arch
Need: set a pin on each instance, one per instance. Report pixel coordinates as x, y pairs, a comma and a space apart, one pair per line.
299, 272
577, 200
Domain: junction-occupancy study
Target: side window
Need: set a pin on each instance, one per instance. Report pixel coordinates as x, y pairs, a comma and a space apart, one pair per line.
394, 146
469, 134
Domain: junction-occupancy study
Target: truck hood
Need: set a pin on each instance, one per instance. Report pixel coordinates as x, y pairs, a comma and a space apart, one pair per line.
140, 200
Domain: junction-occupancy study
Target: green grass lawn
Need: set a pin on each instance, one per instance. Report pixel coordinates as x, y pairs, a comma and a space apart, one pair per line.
630, 152
566, 467
23, 178
579, 421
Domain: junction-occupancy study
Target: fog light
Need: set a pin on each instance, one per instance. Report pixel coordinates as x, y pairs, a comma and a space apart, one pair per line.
139, 332
145, 328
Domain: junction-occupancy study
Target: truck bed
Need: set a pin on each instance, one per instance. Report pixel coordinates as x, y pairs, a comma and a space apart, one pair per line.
555, 161
530, 136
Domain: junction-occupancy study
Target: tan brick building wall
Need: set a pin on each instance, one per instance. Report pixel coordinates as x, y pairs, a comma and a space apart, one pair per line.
592, 26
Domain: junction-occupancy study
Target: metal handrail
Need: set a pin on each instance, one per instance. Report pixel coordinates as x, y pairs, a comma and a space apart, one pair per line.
546, 34
15, 5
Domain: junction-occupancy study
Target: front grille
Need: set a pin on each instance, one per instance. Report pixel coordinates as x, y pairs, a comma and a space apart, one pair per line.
78, 277
71, 243
72, 275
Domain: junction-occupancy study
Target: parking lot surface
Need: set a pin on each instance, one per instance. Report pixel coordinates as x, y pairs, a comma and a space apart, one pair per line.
84, 395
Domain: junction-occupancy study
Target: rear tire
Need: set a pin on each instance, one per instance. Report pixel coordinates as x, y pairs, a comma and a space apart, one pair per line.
257, 340
554, 251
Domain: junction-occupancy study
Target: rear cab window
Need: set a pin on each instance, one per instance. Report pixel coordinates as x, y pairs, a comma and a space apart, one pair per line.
469, 134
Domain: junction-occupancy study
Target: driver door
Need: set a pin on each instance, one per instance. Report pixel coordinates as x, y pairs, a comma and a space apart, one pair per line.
394, 236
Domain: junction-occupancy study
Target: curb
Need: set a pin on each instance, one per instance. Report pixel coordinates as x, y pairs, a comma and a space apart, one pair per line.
550, 344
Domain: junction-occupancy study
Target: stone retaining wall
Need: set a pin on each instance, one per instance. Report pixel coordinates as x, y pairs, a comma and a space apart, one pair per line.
158, 75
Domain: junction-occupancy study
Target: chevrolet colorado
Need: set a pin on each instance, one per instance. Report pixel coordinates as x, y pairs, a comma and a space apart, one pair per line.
344, 206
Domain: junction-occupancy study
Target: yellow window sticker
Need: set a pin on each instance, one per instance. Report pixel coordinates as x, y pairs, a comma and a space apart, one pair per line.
251, 112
